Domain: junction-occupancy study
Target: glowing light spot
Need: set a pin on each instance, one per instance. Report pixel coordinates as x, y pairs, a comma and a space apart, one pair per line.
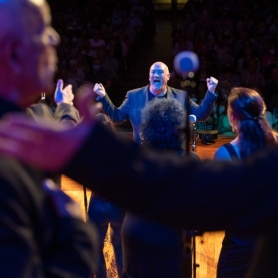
191, 74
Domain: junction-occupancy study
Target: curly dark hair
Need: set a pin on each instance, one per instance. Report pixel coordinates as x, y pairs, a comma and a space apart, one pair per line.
162, 120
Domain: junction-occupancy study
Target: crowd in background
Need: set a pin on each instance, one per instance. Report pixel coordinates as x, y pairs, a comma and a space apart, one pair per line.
96, 39
236, 42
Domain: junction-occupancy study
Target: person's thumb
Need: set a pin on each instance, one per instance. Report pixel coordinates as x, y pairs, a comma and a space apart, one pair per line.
60, 85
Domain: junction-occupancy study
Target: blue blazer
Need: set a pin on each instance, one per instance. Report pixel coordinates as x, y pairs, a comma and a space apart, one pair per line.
135, 100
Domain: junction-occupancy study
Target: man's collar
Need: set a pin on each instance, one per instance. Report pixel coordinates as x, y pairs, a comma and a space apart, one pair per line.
161, 94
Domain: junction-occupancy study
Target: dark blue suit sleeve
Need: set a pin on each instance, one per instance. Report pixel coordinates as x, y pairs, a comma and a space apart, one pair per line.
117, 115
203, 110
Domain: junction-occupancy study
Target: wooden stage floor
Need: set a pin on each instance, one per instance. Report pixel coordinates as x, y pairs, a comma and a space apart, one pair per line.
207, 246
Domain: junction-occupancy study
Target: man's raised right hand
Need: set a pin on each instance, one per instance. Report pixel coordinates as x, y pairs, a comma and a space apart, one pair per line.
99, 89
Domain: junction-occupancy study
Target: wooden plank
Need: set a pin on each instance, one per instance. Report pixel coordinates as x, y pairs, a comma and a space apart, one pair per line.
207, 247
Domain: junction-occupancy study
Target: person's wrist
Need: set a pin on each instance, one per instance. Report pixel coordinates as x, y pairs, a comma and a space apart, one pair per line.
64, 102
99, 97
213, 92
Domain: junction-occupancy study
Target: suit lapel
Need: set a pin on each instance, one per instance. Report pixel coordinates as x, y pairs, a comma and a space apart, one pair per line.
180, 97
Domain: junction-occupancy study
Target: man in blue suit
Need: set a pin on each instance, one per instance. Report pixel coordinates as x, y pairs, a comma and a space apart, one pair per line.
136, 99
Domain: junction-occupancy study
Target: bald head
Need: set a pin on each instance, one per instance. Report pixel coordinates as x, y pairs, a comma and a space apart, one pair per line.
18, 17
28, 58
161, 65
8, 18
159, 76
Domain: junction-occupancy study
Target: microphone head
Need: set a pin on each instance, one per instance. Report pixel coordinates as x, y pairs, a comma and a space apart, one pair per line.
186, 61
192, 119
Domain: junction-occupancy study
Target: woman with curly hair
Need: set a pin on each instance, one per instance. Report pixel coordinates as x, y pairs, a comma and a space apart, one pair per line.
150, 249
161, 126
246, 110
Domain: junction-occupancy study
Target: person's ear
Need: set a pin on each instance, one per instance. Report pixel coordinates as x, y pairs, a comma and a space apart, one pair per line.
168, 76
12, 54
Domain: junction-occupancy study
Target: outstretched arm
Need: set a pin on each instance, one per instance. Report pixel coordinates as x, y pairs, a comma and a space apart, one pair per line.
207, 195
117, 115
203, 110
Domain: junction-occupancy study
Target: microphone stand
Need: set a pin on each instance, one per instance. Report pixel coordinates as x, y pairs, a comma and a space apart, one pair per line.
194, 136
190, 234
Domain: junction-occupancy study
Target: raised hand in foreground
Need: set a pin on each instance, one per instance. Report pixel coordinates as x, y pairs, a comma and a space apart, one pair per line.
43, 144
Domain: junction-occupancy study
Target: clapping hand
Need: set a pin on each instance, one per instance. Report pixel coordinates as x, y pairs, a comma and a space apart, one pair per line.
63, 95
32, 141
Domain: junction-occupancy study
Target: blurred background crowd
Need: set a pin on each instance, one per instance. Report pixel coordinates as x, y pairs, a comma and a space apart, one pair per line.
236, 42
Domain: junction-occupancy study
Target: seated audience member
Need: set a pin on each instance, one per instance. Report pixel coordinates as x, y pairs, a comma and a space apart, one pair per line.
96, 43
224, 127
104, 214
223, 124
269, 57
151, 249
64, 75
117, 49
109, 64
220, 107
228, 74
135, 21
201, 91
271, 90
98, 74
251, 77
269, 118
246, 110
74, 74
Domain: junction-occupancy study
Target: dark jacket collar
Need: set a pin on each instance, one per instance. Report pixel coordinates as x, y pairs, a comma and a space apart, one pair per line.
169, 91
7, 106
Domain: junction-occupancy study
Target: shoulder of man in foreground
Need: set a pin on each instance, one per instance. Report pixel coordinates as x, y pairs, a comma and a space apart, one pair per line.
29, 218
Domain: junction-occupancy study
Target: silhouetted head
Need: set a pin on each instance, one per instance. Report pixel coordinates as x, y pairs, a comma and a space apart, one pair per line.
27, 50
162, 120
